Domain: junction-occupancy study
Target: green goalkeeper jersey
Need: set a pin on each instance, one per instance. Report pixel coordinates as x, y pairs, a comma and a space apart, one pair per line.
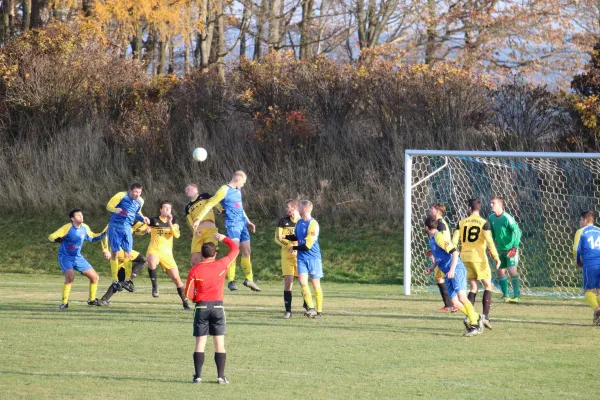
505, 231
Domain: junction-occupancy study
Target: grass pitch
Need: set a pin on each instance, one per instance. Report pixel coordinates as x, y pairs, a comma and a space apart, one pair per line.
372, 343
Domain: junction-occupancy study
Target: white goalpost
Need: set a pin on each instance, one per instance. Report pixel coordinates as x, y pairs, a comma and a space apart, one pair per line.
545, 192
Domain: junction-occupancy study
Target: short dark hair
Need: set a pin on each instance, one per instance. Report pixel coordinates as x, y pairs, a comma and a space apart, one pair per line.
431, 222
499, 198
588, 216
208, 250
136, 185
73, 211
474, 204
162, 203
440, 207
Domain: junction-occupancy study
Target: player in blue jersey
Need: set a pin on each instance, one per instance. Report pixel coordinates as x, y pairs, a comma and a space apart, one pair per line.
126, 209
236, 224
586, 250
446, 258
308, 257
71, 237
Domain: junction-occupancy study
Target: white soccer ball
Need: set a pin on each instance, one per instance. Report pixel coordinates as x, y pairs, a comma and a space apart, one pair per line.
200, 154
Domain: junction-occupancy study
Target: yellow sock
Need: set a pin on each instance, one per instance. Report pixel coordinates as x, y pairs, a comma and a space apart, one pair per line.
231, 271
598, 299
319, 299
469, 311
592, 300
114, 269
128, 266
93, 288
66, 292
307, 296
247, 267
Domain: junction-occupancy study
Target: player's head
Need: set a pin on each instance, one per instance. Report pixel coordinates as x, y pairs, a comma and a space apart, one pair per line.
431, 224
305, 207
497, 205
165, 208
290, 207
135, 190
76, 215
474, 205
437, 210
586, 218
209, 250
191, 191
239, 179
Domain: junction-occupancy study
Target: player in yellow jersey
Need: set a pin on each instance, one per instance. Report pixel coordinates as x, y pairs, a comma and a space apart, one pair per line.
125, 275
160, 250
438, 210
475, 237
289, 262
205, 233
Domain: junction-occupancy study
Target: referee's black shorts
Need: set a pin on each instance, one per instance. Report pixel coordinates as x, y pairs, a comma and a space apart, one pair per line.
209, 319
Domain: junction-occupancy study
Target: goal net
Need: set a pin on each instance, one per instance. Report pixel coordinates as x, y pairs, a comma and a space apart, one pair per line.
545, 192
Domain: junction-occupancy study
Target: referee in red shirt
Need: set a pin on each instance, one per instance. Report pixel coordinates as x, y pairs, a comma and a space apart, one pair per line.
205, 288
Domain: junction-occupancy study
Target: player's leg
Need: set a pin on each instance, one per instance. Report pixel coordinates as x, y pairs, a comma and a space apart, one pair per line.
316, 273
217, 329
196, 248
591, 282
502, 278
487, 301
86, 269
306, 294
441, 284
472, 279
199, 357
138, 264
234, 231
597, 313
170, 268
69, 274
515, 279
457, 290
152, 264
200, 332
245, 250
115, 238
288, 283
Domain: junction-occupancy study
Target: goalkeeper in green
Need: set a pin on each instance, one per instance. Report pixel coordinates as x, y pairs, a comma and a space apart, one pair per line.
507, 236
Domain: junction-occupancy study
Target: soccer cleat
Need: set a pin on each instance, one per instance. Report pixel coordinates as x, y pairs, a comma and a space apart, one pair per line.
128, 285
487, 323
232, 286
310, 313
480, 324
251, 285
104, 303
318, 316
196, 380
446, 309
473, 331
94, 302
514, 300
223, 381
287, 315
117, 287
467, 323
64, 306
155, 292
505, 299
597, 316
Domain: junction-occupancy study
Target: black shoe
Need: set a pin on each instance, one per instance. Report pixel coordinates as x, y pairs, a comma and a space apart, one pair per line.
155, 291
117, 287
94, 303
232, 286
196, 380
128, 285
64, 306
474, 331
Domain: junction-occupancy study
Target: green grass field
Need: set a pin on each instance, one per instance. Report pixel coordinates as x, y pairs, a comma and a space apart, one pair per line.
372, 343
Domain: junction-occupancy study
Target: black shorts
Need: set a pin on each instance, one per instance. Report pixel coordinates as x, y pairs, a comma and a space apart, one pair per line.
209, 319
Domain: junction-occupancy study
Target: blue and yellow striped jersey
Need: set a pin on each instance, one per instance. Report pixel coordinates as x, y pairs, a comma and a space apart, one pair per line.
131, 210
73, 238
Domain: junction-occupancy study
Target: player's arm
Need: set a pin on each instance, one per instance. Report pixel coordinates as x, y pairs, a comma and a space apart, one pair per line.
449, 248
175, 230
59, 233
234, 250
139, 228
219, 208
577, 247
312, 235
212, 202
114, 202
279, 238
516, 233
489, 239
190, 285
94, 237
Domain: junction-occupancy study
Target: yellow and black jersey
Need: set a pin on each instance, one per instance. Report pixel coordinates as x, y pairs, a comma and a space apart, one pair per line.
193, 208
286, 226
161, 237
475, 237
444, 229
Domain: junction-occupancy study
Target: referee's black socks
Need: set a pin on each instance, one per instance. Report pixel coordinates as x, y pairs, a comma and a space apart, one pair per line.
220, 361
198, 362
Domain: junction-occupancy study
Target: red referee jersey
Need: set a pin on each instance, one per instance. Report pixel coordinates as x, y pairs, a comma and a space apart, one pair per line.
205, 280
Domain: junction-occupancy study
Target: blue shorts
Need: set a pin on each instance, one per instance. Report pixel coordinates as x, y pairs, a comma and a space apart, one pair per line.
120, 239
591, 277
237, 230
458, 283
78, 263
313, 267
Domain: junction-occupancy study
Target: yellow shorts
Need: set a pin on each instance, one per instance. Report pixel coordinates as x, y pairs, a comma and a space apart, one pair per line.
289, 266
165, 260
478, 270
206, 236
121, 257
438, 274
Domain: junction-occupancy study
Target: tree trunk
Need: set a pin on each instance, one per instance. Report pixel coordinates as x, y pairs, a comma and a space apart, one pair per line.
305, 30
206, 38
26, 15
274, 28
247, 15
5, 26
259, 30
40, 13
171, 69
162, 62
220, 40
186, 55
137, 43
431, 30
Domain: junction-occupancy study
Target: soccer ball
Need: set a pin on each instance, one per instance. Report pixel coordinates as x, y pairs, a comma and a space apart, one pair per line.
200, 154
